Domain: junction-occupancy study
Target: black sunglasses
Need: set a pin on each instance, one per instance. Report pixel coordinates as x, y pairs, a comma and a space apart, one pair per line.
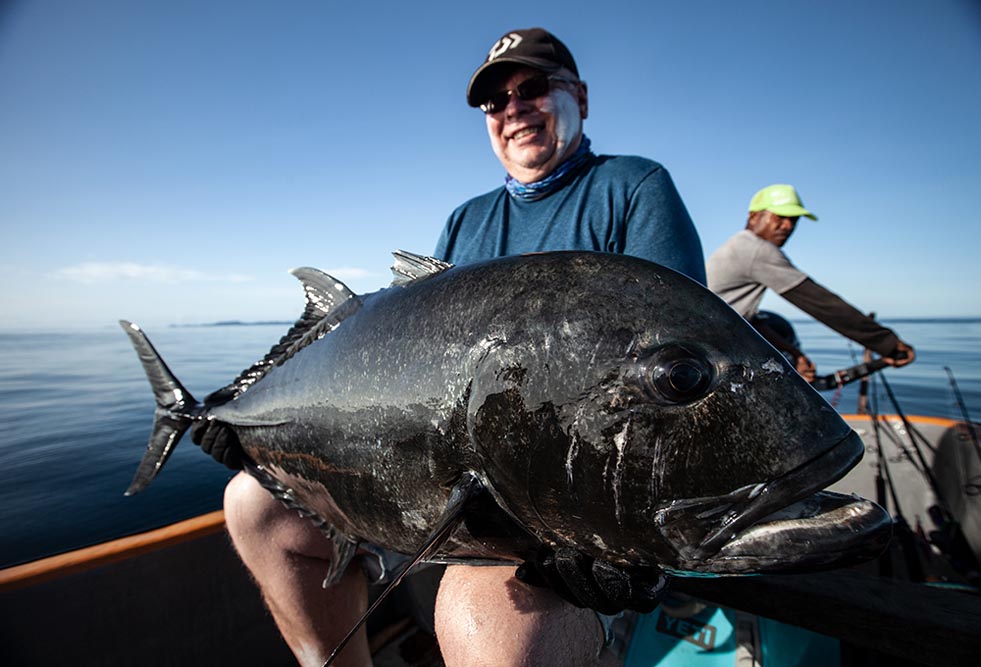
529, 89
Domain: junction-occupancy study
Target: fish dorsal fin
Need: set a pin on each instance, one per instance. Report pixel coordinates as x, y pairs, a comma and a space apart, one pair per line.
409, 267
324, 292
463, 493
329, 301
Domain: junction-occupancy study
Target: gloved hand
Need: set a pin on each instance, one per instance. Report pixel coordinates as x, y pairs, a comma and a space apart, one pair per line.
595, 584
220, 441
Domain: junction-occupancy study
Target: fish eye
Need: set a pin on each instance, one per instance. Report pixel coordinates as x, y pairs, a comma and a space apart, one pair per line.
677, 374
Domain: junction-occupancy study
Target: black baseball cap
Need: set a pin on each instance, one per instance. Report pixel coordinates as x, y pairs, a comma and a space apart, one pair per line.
535, 47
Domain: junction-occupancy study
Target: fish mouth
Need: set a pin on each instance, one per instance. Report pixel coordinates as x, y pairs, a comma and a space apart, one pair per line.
825, 530
789, 524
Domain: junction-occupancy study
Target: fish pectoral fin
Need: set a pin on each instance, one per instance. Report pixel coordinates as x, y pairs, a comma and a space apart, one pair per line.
468, 488
409, 267
344, 552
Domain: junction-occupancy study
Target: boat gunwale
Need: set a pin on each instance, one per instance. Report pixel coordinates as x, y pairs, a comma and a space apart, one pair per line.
916, 419
105, 553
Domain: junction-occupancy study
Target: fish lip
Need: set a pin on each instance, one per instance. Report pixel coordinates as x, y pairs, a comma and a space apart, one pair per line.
824, 530
805, 480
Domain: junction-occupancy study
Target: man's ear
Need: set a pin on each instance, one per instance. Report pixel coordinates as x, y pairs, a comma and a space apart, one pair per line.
583, 96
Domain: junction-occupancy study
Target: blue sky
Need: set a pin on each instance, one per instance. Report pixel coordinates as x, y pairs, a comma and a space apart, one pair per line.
168, 162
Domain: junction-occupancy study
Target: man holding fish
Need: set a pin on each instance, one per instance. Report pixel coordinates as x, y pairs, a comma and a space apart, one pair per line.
580, 425
558, 195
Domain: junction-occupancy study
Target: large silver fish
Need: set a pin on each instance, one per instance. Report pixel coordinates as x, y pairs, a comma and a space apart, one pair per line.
563, 399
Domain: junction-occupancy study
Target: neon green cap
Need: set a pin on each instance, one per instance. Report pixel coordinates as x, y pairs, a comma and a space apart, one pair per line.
782, 200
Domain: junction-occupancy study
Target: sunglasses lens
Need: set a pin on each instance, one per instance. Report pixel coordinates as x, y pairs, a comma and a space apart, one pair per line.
530, 89
496, 102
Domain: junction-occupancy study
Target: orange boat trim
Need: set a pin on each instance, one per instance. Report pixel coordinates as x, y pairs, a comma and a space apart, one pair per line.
915, 419
106, 553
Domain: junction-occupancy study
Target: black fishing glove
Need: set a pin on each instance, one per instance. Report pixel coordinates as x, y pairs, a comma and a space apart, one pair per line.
595, 584
220, 441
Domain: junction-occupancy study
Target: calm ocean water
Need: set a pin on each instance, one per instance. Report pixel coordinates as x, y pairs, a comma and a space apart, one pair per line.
76, 410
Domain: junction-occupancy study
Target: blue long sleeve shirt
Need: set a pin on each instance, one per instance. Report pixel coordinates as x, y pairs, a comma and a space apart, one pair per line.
619, 204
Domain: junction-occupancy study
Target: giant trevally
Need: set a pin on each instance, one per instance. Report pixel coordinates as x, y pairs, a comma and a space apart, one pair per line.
596, 401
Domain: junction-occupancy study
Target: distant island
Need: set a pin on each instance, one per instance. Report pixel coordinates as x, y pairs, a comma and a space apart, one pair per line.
233, 323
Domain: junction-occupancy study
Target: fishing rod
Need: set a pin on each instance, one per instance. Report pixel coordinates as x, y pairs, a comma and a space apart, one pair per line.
934, 485
848, 375
898, 442
883, 483
963, 408
863, 387
950, 537
921, 565
863, 370
884, 476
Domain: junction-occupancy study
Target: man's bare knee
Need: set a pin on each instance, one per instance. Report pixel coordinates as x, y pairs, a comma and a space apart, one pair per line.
258, 522
289, 557
485, 611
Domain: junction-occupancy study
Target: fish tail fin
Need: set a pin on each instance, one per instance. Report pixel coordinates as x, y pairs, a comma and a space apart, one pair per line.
176, 409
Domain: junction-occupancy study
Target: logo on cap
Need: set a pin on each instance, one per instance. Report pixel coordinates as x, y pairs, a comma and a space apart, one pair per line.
505, 43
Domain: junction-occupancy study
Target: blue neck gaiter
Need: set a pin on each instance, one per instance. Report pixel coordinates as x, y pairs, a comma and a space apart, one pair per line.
552, 182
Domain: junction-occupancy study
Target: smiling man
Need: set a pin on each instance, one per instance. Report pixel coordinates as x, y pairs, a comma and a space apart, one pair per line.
532, 145
558, 195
